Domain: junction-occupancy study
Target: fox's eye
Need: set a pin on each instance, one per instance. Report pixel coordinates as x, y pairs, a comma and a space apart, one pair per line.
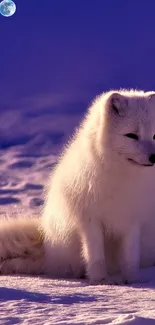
154, 137
132, 136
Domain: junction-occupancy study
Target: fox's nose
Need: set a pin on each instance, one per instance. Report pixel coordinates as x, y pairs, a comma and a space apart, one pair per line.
152, 159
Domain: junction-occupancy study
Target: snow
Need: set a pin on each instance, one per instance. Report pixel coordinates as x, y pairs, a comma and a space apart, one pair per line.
30, 139
38, 300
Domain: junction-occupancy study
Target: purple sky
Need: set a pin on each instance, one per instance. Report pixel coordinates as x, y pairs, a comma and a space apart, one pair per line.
76, 47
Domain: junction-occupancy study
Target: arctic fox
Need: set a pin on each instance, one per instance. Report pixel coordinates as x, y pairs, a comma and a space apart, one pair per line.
99, 213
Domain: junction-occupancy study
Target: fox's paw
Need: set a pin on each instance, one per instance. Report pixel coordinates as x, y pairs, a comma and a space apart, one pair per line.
98, 275
103, 281
106, 281
109, 280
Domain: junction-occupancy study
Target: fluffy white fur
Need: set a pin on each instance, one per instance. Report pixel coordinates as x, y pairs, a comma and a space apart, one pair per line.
99, 213
21, 246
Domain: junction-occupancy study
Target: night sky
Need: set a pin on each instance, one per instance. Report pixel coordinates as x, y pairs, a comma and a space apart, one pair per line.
76, 47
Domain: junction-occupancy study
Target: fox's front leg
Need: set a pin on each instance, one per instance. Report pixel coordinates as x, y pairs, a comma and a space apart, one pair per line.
130, 255
94, 252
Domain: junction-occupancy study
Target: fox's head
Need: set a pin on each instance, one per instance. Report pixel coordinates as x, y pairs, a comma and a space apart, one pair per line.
127, 126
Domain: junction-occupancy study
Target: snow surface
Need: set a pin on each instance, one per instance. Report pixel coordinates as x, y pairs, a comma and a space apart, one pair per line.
32, 133
38, 300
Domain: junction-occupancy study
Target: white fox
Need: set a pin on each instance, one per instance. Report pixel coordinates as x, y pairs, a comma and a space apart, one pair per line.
99, 213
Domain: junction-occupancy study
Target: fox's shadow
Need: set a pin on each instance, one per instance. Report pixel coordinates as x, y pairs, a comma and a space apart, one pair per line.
7, 294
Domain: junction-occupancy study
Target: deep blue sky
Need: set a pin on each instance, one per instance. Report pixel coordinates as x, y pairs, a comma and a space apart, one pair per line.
76, 46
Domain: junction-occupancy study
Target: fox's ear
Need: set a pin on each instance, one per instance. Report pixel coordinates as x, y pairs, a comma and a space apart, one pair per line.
117, 103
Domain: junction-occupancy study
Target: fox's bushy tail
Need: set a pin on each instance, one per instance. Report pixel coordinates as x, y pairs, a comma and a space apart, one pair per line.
21, 246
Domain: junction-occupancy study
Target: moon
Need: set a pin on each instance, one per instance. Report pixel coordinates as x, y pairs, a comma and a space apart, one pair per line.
7, 8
